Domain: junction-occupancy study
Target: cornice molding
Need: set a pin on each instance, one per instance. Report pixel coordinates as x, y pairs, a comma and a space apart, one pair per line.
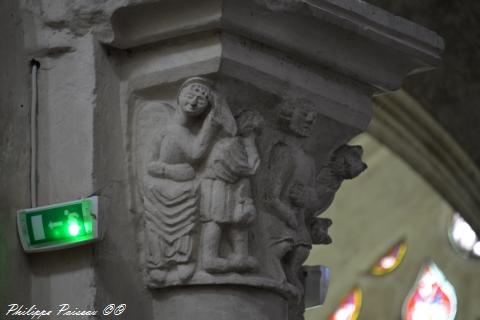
353, 38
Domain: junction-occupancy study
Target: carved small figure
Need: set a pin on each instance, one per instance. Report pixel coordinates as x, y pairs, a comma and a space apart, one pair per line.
171, 188
344, 164
290, 190
227, 205
318, 229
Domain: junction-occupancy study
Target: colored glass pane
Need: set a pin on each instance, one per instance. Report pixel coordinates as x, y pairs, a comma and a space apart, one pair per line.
431, 298
349, 307
463, 238
391, 260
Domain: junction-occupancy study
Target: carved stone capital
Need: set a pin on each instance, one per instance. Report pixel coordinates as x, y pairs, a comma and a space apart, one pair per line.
216, 132
231, 195
238, 137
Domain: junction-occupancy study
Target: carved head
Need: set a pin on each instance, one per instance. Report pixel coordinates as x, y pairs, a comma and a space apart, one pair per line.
347, 162
249, 121
298, 116
195, 96
319, 230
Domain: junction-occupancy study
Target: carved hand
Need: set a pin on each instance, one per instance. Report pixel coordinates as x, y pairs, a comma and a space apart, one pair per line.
292, 220
221, 116
235, 160
183, 172
250, 123
214, 119
298, 195
239, 155
283, 211
245, 212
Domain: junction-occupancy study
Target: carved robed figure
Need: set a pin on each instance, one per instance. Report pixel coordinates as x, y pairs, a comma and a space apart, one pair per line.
171, 188
196, 181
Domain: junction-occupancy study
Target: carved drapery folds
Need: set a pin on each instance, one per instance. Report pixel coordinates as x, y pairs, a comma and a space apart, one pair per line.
196, 187
231, 195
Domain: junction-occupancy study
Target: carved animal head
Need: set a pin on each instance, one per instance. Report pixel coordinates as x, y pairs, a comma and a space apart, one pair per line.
195, 96
346, 162
297, 116
319, 231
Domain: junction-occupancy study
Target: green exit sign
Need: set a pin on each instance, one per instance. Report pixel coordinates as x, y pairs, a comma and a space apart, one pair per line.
59, 226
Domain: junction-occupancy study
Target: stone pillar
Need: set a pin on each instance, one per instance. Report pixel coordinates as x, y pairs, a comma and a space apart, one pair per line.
214, 133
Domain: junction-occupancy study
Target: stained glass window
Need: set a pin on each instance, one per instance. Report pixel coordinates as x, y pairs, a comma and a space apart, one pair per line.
463, 238
349, 307
390, 261
431, 298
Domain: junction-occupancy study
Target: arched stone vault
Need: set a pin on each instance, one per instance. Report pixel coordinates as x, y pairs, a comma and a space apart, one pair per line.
402, 124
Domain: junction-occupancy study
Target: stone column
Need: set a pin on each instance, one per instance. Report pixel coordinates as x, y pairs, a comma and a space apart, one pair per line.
218, 136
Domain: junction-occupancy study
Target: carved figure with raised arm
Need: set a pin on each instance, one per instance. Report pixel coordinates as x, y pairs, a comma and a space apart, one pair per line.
227, 205
171, 195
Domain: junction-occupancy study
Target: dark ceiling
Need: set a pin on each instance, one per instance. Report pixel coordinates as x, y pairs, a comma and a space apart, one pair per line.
451, 92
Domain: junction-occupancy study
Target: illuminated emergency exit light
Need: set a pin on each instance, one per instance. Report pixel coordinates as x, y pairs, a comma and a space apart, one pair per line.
59, 226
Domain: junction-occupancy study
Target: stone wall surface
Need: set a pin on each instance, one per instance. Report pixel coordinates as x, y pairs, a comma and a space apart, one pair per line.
14, 154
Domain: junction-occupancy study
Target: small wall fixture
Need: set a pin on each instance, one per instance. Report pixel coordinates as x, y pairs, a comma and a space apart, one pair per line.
59, 226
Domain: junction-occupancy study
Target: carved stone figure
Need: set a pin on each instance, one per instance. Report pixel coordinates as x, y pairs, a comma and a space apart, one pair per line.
171, 197
200, 206
290, 189
197, 179
227, 206
295, 194
345, 163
